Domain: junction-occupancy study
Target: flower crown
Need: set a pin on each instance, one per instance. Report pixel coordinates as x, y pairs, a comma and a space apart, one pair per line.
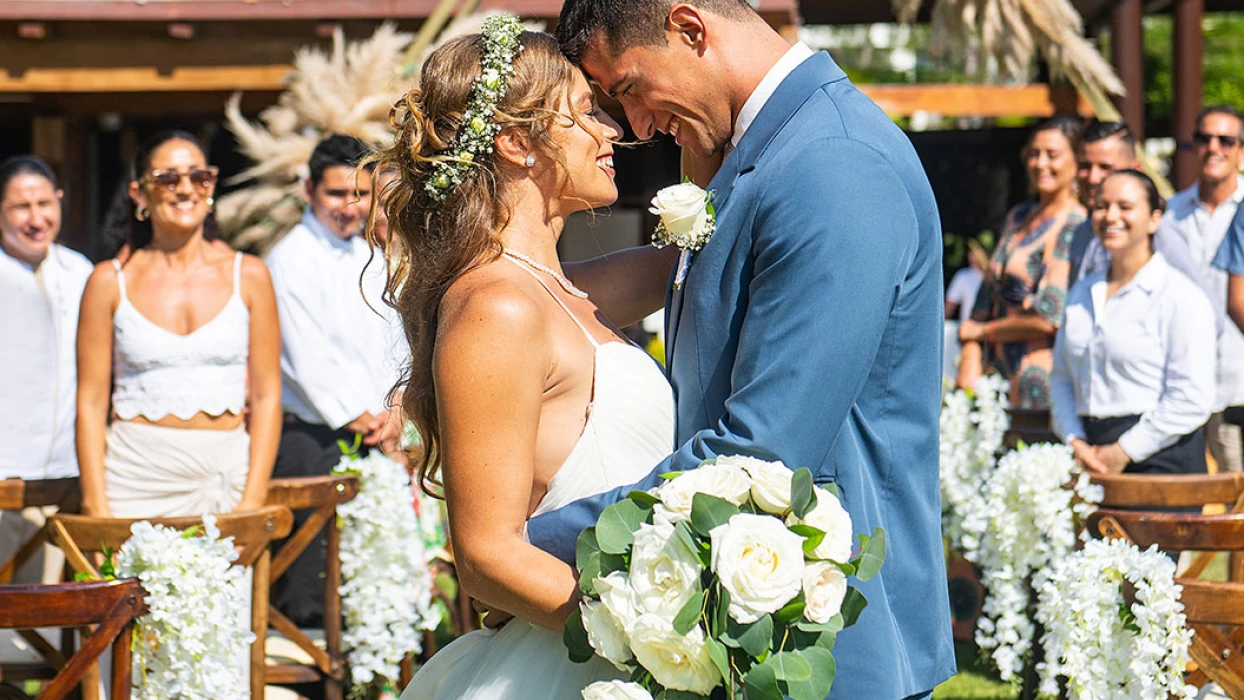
478, 128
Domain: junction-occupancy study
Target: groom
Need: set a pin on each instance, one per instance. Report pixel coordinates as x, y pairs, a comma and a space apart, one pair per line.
809, 327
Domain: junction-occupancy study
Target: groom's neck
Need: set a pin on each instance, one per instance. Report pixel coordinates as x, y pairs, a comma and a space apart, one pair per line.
748, 51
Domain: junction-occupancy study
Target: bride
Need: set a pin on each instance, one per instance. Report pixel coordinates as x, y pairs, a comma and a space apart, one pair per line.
524, 391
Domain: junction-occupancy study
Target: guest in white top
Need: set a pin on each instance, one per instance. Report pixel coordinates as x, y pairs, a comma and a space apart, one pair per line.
41, 285
1196, 221
1134, 360
338, 343
178, 359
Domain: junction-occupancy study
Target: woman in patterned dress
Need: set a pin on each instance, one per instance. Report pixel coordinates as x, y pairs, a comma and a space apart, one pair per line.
1019, 308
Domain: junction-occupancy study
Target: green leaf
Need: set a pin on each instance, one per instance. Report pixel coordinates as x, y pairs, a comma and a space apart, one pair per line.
721, 658
823, 667
588, 573
574, 636
872, 556
790, 666
755, 638
852, 606
848, 569
643, 498
832, 488
793, 611
610, 563
802, 493
708, 512
682, 530
615, 531
834, 625
813, 536
672, 694
585, 547
687, 618
83, 576
722, 619
761, 683
670, 476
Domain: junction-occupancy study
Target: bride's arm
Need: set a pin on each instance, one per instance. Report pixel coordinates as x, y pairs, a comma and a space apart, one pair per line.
492, 358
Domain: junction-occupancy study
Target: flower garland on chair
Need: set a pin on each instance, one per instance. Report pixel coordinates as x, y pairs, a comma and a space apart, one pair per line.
971, 427
193, 642
1102, 646
1027, 522
386, 590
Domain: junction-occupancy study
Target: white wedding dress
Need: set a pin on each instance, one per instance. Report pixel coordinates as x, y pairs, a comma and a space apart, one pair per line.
629, 430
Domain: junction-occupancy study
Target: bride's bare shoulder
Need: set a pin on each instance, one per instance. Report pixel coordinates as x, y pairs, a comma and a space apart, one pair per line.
494, 306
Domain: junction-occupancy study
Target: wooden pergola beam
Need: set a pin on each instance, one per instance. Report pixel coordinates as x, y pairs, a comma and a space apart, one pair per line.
960, 100
125, 80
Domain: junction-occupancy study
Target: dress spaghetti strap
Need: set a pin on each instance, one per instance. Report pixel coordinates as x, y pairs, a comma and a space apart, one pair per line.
557, 299
120, 277
237, 273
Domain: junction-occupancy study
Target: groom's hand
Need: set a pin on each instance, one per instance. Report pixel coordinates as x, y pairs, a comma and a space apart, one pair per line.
493, 618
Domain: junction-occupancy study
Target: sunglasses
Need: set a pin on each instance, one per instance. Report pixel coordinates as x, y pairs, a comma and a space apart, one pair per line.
1201, 138
202, 178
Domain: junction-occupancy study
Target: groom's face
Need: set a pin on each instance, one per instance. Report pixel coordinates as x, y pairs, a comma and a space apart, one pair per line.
666, 88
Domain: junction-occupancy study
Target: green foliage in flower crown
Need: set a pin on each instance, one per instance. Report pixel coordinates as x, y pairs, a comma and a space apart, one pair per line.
478, 129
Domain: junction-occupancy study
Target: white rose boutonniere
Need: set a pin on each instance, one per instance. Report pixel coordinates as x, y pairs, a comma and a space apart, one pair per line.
687, 216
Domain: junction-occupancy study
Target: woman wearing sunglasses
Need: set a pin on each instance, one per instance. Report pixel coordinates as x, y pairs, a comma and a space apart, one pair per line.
174, 342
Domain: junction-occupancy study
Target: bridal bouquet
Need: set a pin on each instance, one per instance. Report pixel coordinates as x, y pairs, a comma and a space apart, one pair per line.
733, 575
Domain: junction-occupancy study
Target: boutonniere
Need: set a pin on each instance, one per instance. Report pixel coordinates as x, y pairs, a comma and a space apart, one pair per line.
687, 220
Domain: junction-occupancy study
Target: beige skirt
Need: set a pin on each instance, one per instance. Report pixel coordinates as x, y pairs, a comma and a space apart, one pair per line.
151, 471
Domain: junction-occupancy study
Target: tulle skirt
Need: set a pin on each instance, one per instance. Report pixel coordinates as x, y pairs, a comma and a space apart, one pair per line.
519, 662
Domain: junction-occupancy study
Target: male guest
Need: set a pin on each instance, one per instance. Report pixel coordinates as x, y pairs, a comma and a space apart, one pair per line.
1104, 148
338, 355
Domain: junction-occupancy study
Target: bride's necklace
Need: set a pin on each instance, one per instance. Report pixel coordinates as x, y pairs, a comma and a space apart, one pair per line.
561, 279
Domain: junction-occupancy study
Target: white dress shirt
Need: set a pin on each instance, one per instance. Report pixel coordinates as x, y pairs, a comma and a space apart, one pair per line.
38, 363
789, 61
1189, 223
1147, 350
340, 356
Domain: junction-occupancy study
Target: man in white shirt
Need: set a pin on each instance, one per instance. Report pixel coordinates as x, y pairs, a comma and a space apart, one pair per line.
1104, 148
41, 286
1197, 220
338, 355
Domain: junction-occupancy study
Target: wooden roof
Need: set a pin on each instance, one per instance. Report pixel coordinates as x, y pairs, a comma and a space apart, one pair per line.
1094, 12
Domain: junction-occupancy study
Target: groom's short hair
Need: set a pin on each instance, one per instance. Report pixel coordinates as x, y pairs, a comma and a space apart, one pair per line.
626, 23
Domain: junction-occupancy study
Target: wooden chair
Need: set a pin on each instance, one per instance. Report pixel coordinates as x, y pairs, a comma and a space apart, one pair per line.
321, 495
16, 494
1030, 427
111, 605
1158, 491
1208, 605
80, 536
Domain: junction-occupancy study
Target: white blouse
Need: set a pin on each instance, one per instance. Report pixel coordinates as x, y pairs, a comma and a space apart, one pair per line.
1149, 350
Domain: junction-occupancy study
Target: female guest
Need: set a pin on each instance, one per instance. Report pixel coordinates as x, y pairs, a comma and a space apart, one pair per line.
1017, 314
1133, 379
183, 331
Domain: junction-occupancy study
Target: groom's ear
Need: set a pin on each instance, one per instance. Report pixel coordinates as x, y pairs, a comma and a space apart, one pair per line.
685, 26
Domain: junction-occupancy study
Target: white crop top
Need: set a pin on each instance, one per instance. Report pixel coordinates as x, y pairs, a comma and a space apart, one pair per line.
158, 373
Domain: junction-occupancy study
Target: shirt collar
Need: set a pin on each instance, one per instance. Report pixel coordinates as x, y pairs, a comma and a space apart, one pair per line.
321, 231
1151, 276
789, 61
1236, 197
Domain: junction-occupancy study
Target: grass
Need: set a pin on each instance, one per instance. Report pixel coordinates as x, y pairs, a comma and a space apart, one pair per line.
974, 680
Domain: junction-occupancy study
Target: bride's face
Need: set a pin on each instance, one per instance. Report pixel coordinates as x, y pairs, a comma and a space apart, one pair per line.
586, 141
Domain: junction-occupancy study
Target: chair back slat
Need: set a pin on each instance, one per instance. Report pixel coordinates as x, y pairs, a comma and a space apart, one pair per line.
1212, 602
1173, 531
1170, 491
302, 493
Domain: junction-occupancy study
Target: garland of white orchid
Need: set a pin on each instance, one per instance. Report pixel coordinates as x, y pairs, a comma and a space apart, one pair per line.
972, 426
386, 590
1101, 645
192, 644
1026, 523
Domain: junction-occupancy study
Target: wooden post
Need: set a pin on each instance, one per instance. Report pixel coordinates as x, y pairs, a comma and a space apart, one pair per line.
1126, 49
1188, 79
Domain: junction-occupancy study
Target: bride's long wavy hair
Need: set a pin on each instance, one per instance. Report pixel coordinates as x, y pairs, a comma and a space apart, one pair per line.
431, 244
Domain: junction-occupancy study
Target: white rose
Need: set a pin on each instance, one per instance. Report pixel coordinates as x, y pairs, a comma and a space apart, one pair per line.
605, 634
830, 517
674, 660
683, 208
616, 595
615, 690
824, 588
664, 573
770, 482
759, 562
724, 481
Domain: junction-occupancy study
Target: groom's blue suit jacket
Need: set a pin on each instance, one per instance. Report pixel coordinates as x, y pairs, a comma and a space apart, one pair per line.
809, 330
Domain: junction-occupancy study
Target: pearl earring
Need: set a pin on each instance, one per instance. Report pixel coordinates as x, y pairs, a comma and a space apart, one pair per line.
531, 160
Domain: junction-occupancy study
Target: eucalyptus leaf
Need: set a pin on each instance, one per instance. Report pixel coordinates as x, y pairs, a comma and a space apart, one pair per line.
872, 556
761, 683
802, 493
610, 563
585, 547
574, 636
615, 531
643, 498
721, 658
821, 682
722, 611
588, 573
755, 638
793, 611
832, 488
687, 618
672, 694
852, 605
682, 530
708, 512
790, 666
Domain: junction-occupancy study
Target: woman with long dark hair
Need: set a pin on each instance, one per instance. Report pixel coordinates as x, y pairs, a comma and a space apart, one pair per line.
175, 342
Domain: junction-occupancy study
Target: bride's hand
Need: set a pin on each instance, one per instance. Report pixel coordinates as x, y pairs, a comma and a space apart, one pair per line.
493, 618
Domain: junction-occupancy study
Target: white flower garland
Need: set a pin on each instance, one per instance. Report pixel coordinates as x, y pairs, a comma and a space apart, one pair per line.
1103, 648
972, 426
1026, 522
386, 590
193, 642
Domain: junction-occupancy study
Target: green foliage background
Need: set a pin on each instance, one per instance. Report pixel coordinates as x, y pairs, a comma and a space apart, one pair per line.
1223, 64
